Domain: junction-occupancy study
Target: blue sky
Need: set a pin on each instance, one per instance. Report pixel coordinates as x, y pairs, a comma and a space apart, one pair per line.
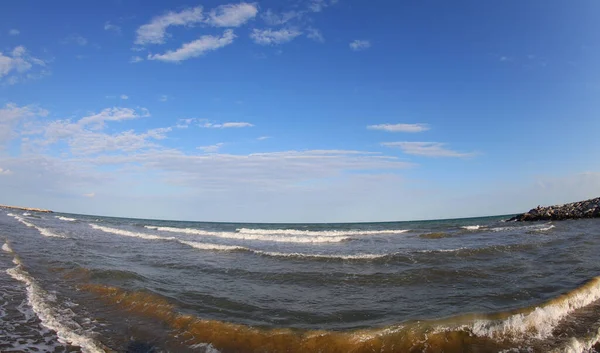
298, 111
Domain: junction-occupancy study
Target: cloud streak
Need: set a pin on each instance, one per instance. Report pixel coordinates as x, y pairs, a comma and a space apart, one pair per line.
400, 127
427, 149
154, 32
358, 45
196, 48
232, 15
271, 37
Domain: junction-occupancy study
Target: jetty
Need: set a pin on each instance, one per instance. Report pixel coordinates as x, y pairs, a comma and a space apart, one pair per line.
30, 209
575, 210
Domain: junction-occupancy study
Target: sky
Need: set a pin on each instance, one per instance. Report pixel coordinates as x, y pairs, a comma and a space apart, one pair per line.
299, 110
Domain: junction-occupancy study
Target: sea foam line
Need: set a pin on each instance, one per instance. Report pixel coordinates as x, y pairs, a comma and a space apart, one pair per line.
129, 233
475, 227
332, 233
218, 247
260, 237
43, 231
65, 328
6, 247
66, 219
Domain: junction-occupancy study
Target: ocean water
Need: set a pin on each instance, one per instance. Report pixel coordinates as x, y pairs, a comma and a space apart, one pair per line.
72, 283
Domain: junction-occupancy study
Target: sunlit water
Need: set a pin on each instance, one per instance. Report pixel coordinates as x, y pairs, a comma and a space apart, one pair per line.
80, 283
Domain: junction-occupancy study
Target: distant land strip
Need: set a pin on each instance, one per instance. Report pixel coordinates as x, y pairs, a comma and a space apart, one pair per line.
575, 210
25, 208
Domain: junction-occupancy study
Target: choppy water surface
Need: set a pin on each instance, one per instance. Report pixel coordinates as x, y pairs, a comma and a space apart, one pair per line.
72, 283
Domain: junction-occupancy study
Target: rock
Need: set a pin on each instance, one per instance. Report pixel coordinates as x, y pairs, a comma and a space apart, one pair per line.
582, 209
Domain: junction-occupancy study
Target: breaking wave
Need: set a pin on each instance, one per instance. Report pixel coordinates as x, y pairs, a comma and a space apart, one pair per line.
43, 231
67, 219
129, 233
327, 233
218, 247
250, 236
52, 317
494, 332
475, 227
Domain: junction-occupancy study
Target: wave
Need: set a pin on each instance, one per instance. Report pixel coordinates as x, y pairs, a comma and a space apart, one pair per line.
66, 218
534, 227
6, 247
485, 332
129, 233
327, 233
52, 317
43, 231
218, 247
247, 236
475, 227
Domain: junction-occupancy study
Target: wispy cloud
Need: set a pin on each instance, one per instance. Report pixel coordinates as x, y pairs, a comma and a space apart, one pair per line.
226, 125
5, 171
358, 45
14, 32
18, 63
112, 27
163, 98
211, 148
11, 115
319, 5
196, 48
315, 34
74, 39
124, 96
426, 149
272, 18
90, 195
155, 31
400, 127
271, 37
96, 121
262, 138
136, 59
232, 15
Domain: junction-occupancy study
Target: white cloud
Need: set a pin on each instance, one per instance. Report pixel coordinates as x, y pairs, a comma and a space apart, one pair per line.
232, 15
90, 195
271, 37
124, 97
273, 19
14, 32
163, 98
12, 115
5, 172
400, 127
315, 35
75, 39
17, 63
319, 5
358, 45
226, 125
184, 123
136, 59
155, 31
96, 121
262, 138
211, 148
111, 27
426, 149
196, 48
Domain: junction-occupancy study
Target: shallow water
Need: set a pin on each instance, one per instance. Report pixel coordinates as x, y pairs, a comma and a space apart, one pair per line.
71, 283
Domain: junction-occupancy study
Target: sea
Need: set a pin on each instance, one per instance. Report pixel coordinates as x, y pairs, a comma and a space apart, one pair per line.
74, 283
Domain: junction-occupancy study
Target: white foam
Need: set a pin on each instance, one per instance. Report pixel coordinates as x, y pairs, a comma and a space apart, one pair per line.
43, 231
26, 214
475, 227
545, 229
259, 237
533, 227
66, 219
540, 322
208, 348
67, 330
327, 233
7, 248
580, 345
129, 233
219, 247
441, 250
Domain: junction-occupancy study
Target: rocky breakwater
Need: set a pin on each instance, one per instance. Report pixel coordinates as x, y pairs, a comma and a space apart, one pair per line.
582, 209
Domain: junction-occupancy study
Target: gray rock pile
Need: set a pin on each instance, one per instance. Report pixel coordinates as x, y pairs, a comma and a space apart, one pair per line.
582, 209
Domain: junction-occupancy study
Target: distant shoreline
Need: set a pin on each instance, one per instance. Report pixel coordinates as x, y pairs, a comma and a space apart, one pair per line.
26, 209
